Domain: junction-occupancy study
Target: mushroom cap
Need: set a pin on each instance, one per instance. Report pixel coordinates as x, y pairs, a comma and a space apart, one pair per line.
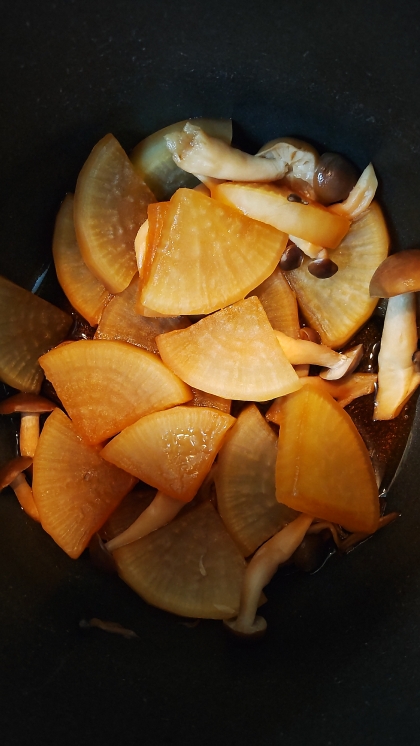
26, 403
398, 274
12, 469
351, 360
299, 157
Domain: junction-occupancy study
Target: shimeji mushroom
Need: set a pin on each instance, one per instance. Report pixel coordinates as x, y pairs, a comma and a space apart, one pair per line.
11, 475
397, 274
302, 351
360, 196
343, 390
259, 572
397, 278
349, 542
161, 511
198, 153
300, 158
322, 267
30, 407
398, 374
334, 178
310, 249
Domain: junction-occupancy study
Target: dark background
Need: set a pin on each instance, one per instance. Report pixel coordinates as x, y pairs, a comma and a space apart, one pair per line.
340, 663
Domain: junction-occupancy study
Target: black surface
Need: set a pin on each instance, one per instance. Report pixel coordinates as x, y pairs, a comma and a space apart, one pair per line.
341, 661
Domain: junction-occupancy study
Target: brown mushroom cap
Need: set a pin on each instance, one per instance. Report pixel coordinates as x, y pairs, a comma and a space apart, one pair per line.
12, 469
398, 273
26, 403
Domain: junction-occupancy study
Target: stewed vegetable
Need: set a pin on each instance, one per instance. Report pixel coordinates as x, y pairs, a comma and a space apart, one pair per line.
220, 316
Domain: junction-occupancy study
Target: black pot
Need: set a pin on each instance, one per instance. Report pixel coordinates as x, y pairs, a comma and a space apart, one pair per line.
340, 662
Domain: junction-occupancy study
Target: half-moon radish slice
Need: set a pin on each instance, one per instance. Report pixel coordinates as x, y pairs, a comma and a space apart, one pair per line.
203, 399
171, 450
29, 326
233, 353
280, 304
323, 467
338, 306
191, 567
246, 485
120, 320
75, 490
84, 291
208, 255
153, 161
110, 205
107, 385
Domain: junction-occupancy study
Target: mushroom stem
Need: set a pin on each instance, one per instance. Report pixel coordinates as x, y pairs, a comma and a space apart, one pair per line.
30, 407
310, 249
360, 196
208, 182
345, 389
29, 434
397, 376
24, 494
202, 187
198, 153
349, 362
161, 511
302, 351
261, 569
302, 369
316, 528
345, 545
11, 475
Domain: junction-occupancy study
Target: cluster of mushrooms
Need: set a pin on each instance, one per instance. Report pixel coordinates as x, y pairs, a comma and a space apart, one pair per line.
333, 181
330, 179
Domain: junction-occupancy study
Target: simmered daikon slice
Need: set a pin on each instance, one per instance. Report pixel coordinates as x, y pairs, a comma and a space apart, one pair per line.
233, 353
110, 204
107, 385
280, 304
154, 162
338, 306
120, 320
271, 204
191, 567
245, 482
208, 256
171, 450
84, 291
203, 399
74, 489
323, 467
29, 326
156, 214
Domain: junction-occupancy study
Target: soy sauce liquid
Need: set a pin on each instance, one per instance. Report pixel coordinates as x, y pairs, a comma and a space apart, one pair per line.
385, 440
